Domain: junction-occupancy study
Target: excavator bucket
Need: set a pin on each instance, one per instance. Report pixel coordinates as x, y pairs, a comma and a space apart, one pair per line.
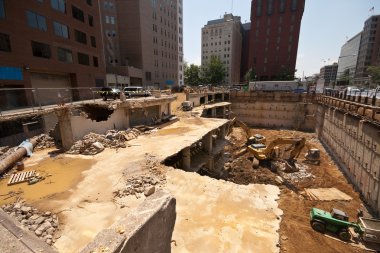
313, 156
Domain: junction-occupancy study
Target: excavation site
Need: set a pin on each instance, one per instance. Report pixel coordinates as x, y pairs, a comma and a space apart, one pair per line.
204, 170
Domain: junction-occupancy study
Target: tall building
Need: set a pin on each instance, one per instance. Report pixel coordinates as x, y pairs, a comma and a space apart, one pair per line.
222, 38
328, 73
149, 39
275, 28
46, 45
348, 58
117, 70
369, 49
180, 44
246, 29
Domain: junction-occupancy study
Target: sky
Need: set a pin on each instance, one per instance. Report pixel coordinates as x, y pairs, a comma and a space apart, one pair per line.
326, 26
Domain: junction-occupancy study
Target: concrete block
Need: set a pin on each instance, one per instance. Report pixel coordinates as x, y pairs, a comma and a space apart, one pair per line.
147, 229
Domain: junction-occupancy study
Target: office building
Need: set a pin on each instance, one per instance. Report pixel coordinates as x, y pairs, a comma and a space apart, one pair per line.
275, 28
223, 38
150, 40
348, 58
328, 74
369, 49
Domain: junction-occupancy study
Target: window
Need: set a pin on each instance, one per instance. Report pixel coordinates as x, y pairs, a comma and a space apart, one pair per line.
95, 61
89, 2
90, 20
83, 59
112, 20
41, 50
36, 21
5, 44
61, 30
258, 10
2, 10
282, 6
59, 5
107, 19
148, 76
77, 13
93, 41
294, 5
270, 7
80, 37
65, 55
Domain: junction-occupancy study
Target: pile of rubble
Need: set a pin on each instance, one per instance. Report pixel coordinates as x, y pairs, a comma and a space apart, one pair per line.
44, 141
93, 143
43, 224
138, 185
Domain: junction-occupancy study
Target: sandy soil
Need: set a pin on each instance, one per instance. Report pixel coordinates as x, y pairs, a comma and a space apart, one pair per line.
296, 234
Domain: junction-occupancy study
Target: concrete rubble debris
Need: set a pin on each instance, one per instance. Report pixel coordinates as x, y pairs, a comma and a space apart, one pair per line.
44, 141
43, 224
93, 143
138, 185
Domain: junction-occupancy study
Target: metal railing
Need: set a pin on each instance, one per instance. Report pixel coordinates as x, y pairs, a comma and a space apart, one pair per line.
18, 99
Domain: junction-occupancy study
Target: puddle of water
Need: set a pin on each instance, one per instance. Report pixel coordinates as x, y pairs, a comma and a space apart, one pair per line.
173, 131
61, 174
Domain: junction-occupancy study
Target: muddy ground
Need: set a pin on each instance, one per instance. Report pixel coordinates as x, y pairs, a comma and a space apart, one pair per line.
296, 234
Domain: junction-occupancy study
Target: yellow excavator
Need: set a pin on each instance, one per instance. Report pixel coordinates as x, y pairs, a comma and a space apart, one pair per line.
251, 139
262, 152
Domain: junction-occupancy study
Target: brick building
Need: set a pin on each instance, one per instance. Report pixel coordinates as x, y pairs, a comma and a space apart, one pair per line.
46, 45
275, 28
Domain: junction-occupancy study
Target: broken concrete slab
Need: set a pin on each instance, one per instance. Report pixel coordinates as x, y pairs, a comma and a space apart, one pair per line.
327, 194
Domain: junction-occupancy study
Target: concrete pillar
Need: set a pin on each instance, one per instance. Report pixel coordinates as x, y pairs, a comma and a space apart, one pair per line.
207, 143
26, 130
213, 112
169, 108
206, 99
224, 112
223, 96
64, 121
223, 131
186, 159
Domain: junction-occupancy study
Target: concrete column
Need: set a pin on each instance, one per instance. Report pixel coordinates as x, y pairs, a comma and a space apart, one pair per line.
186, 159
169, 108
206, 99
223, 131
223, 96
224, 112
207, 143
26, 130
213, 112
64, 121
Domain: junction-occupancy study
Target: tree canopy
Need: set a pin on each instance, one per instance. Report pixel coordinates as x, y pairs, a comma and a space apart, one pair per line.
374, 71
192, 75
214, 72
286, 74
250, 75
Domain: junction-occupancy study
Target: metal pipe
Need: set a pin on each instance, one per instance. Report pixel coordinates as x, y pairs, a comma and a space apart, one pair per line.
10, 160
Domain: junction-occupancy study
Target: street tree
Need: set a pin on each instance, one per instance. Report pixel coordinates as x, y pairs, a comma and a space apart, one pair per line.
286, 74
374, 71
250, 75
214, 72
192, 73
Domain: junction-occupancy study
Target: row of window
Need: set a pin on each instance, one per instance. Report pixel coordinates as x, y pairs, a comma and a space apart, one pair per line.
64, 55
270, 6
110, 20
37, 21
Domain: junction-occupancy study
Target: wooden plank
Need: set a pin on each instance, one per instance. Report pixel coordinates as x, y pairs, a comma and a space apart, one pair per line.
21, 177
10, 179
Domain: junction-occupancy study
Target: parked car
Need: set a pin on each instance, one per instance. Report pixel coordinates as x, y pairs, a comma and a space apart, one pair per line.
136, 91
187, 106
109, 92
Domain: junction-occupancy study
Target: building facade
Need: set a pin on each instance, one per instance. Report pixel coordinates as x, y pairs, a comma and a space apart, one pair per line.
180, 44
275, 28
246, 30
222, 38
328, 74
52, 48
368, 50
149, 39
348, 58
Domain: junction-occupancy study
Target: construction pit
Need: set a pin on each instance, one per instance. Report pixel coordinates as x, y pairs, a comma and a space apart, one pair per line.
222, 203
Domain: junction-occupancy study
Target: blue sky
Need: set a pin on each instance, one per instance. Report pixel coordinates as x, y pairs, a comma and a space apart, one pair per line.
326, 25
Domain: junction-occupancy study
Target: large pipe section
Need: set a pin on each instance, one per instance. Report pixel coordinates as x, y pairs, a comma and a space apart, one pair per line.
10, 160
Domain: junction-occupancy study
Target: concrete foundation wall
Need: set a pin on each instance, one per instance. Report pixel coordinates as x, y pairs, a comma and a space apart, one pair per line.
50, 120
147, 229
355, 144
297, 115
144, 116
82, 126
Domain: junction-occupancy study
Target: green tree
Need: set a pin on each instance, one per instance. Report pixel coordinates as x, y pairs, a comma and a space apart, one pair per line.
286, 74
214, 72
250, 75
374, 72
192, 75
